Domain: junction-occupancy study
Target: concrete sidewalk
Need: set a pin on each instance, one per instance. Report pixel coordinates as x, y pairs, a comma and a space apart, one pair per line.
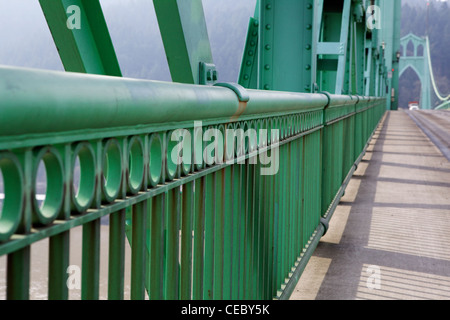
390, 236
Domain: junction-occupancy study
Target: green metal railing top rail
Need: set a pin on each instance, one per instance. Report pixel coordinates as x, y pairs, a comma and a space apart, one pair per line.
207, 223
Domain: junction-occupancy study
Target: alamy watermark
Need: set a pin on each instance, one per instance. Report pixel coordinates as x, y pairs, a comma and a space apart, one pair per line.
373, 281
231, 145
74, 20
74, 277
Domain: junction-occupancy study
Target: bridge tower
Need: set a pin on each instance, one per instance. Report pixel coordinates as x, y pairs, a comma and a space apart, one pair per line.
417, 60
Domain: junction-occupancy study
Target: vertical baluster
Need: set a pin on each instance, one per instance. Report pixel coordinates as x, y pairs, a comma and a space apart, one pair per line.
90, 260
116, 255
256, 223
199, 239
138, 250
236, 230
208, 282
172, 245
249, 236
186, 241
59, 246
218, 234
227, 195
242, 229
157, 247
18, 274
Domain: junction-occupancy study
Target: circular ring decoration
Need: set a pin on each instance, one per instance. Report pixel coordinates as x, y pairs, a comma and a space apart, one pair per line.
156, 150
52, 204
219, 145
266, 125
11, 213
112, 170
271, 123
259, 132
291, 124
197, 150
171, 166
83, 197
284, 128
246, 138
230, 141
209, 154
276, 131
238, 140
135, 175
187, 156
253, 136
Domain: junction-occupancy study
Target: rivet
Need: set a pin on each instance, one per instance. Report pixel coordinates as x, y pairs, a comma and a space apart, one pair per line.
256, 23
308, 27
308, 47
268, 26
252, 43
268, 6
268, 47
250, 53
254, 33
307, 67
267, 87
267, 67
246, 77
249, 63
309, 6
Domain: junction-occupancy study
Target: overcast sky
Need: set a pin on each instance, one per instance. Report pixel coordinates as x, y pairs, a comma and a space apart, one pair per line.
26, 40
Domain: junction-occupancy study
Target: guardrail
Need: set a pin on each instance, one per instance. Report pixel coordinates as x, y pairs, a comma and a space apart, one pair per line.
222, 192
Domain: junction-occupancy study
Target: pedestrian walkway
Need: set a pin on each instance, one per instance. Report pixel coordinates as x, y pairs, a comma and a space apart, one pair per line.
390, 236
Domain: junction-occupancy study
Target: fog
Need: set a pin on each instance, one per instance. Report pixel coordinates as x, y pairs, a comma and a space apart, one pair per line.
26, 40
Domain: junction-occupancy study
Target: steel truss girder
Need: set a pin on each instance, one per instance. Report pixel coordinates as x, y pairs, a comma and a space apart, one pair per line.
185, 37
86, 48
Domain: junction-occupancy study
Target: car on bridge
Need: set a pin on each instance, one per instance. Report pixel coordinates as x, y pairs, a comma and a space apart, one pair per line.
413, 105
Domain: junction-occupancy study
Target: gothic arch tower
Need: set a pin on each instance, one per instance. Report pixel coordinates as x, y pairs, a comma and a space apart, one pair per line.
417, 59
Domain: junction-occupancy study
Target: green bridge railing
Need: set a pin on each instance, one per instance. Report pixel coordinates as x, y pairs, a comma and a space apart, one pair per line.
220, 227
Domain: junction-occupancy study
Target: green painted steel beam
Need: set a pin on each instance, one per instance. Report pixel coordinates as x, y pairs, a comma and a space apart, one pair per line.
344, 37
358, 49
185, 37
332, 36
81, 36
248, 75
285, 45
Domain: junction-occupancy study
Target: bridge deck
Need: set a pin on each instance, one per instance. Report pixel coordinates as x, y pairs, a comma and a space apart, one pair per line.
389, 238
